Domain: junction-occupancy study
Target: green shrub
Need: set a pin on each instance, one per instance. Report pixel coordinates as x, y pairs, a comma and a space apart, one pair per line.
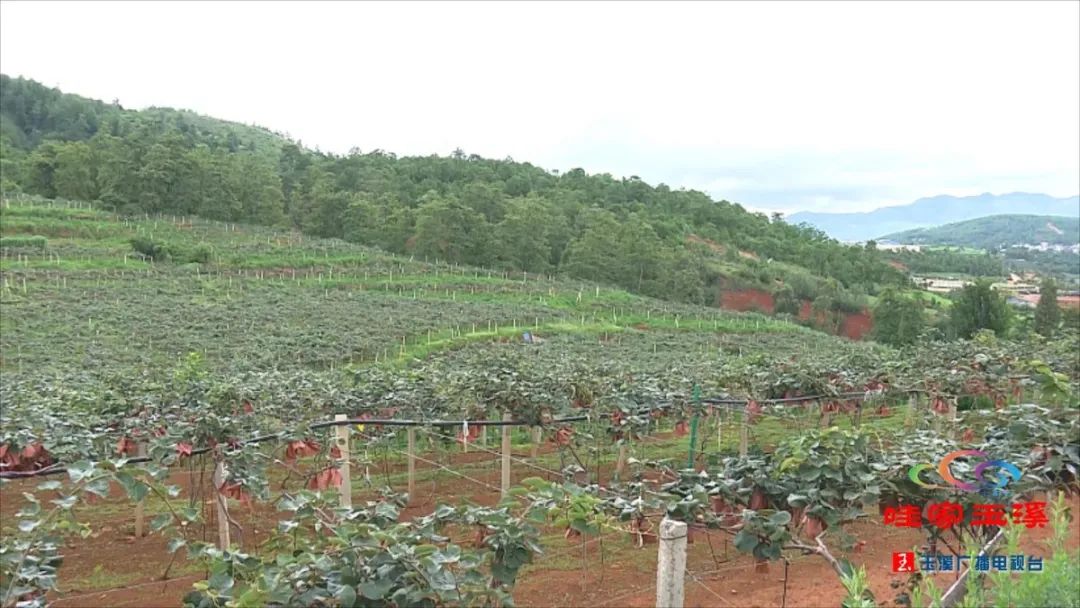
148, 248
24, 242
163, 252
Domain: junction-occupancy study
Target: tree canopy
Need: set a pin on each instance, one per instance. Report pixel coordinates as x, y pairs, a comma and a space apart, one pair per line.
460, 208
979, 306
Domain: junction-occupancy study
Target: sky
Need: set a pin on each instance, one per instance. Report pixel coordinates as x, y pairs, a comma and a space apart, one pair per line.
779, 106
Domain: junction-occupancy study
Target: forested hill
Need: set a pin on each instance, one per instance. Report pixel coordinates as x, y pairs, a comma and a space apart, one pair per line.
996, 232
655, 240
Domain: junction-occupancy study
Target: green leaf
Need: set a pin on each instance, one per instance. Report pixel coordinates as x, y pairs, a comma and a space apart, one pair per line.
66, 502
175, 544
376, 590
346, 596
846, 567
49, 485
160, 522
797, 500
221, 581
28, 525
780, 518
745, 541
29, 510
99, 487
80, 470
425, 550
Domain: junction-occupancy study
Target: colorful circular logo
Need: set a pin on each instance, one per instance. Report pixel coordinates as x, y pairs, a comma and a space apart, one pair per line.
1007, 471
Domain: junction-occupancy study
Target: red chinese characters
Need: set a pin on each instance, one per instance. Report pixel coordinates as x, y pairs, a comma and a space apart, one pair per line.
945, 515
904, 516
988, 515
1031, 514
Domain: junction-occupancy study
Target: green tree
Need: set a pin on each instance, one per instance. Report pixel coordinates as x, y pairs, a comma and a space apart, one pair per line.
521, 238
593, 255
979, 306
75, 172
898, 320
1047, 312
41, 168
448, 230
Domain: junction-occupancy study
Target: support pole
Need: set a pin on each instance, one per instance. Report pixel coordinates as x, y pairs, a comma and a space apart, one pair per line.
221, 506
719, 430
744, 434
537, 435
140, 517
671, 564
954, 416
342, 439
411, 434
506, 456
693, 428
620, 463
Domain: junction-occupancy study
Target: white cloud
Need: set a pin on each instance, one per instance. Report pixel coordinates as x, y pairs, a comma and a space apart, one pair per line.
776, 105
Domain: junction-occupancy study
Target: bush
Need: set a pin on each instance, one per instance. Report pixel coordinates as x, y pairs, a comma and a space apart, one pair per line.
786, 303
162, 252
148, 248
979, 306
24, 242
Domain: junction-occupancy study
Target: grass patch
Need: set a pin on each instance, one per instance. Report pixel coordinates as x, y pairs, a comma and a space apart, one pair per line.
102, 578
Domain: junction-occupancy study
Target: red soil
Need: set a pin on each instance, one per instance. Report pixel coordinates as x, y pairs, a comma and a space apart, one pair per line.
747, 300
605, 572
854, 326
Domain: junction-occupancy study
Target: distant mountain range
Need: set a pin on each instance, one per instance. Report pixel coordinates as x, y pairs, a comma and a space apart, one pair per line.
934, 211
996, 231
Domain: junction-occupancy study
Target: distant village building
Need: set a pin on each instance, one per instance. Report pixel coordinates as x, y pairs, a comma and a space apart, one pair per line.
940, 285
1044, 246
1030, 300
891, 246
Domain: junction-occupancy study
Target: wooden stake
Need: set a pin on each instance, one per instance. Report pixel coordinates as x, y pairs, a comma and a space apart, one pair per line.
620, 464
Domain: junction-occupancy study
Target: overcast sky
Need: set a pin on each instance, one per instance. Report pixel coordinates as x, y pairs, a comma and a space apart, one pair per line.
827, 107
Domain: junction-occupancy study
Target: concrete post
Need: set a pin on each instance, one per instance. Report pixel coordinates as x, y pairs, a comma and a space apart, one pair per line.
411, 433
671, 564
342, 440
221, 506
140, 517
506, 455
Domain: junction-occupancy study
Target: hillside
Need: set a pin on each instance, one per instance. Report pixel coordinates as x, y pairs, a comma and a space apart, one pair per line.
271, 299
653, 240
934, 211
996, 232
